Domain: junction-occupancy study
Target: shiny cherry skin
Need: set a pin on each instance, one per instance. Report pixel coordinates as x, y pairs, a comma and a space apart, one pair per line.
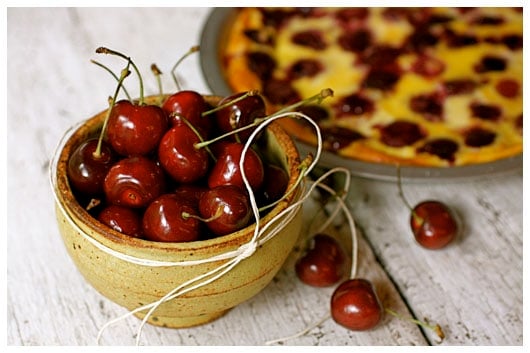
191, 192
86, 171
240, 114
179, 157
226, 169
218, 147
356, 306
136, 130
433, 224
122, 219
188, 105
134, 182
227, 209
275, 182
167, 219
323, 264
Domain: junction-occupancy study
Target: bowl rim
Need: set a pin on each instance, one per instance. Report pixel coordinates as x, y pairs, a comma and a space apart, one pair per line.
71, 207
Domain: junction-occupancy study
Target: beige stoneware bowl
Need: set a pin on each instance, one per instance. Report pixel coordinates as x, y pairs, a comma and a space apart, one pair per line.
90, 245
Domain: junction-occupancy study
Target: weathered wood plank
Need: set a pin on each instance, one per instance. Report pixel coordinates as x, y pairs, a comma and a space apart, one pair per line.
474, 287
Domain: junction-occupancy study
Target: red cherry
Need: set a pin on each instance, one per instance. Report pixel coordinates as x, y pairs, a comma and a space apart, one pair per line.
122, 219
433, 224
275, 182
134, 182
323, 264
135, 129
188, 105
226, 169
191, 192
355, 305
179, 156
218, 147
226, 209
166, 219
239, 114
428, 66
86, 171
508, 88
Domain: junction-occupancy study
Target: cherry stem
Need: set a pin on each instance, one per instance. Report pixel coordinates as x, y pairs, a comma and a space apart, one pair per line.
192, 50
196, 132
402, 195
104, 50
156, 71
300, 333
230, 133
437, 329
92, 203
113, 75
124, 73
229, 103
326, 92
400, 189
217, 214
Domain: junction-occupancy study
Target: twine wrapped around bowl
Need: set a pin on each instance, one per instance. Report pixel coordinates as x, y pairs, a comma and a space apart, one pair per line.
135, 272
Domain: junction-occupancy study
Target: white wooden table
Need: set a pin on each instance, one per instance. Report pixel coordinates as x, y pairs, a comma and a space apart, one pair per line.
473, 289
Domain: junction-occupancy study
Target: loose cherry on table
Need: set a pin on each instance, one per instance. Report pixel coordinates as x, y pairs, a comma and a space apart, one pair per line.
432, 222
355, 305
323, 263
168, 219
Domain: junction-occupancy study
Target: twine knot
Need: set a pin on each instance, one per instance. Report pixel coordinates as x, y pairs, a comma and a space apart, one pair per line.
247, 249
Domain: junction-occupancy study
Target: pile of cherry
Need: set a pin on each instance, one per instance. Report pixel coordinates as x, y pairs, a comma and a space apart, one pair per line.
170, 172
156, 176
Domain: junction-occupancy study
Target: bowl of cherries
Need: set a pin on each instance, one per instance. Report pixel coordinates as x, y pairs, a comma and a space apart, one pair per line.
167, 209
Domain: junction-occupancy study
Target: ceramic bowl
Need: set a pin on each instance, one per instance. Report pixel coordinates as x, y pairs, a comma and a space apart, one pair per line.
98, 251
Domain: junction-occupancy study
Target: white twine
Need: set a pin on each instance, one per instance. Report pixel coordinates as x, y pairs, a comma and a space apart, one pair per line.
234, 257
341, 205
